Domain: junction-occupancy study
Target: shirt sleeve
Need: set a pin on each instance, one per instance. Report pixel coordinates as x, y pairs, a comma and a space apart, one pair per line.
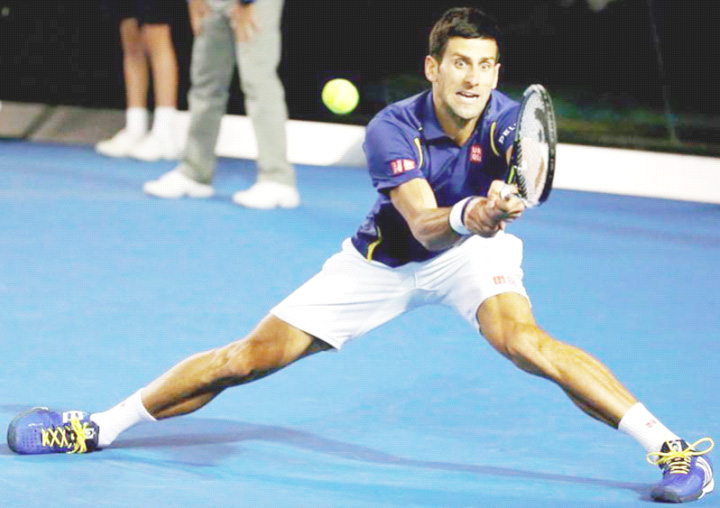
393, 155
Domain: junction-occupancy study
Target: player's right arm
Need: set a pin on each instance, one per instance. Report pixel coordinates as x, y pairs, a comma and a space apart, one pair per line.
415, 200
396, 168
430, 224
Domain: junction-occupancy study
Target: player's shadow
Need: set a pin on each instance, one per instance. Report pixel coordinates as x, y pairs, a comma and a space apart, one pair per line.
195, 432
185, 438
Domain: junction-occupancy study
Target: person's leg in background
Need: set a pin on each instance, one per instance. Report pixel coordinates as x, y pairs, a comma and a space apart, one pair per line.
135, 72
258, 61
161, 143
211, 70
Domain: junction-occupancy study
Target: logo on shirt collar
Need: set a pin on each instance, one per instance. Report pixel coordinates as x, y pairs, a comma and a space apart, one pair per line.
399, 166
476, 154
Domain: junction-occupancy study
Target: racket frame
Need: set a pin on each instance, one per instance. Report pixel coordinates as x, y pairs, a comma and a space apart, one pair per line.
515, 173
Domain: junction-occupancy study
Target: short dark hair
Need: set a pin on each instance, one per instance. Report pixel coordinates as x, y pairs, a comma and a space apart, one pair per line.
466, 22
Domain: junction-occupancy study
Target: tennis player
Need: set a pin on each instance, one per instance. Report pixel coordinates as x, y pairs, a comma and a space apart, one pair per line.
436, 235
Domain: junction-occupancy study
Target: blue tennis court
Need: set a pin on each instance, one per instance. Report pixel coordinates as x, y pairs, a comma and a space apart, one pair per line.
102, 289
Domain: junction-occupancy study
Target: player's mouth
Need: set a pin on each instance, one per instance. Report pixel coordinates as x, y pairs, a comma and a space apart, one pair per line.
467, 96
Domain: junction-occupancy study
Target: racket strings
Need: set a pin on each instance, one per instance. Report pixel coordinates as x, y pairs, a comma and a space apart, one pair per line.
533, 150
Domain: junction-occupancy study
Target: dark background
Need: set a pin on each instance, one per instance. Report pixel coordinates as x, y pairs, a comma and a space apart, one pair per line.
602, 68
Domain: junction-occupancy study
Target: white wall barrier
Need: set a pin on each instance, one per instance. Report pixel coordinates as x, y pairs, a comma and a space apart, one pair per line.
585, 168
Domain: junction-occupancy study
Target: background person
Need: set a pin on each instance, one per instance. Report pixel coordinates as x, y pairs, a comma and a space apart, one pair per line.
146, 37
248, 33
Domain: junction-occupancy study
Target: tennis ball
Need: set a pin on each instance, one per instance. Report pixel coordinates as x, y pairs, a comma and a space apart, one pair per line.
340, 96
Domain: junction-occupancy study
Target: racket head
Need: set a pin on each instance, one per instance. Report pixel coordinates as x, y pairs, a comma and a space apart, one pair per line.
532, 164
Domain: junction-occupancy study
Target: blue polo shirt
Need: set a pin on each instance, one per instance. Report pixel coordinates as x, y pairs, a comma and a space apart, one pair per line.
405, 141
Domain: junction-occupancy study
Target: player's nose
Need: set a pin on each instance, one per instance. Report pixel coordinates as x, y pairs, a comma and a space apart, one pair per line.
472, 76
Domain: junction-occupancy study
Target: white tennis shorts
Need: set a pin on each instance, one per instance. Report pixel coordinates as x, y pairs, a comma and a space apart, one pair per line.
351, 296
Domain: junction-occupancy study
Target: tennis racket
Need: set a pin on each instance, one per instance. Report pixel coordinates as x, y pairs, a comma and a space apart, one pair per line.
532, 164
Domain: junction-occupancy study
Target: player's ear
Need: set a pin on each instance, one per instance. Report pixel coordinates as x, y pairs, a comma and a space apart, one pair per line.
431, 68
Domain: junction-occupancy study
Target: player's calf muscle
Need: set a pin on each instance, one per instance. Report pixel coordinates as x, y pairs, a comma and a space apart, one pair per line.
241, 362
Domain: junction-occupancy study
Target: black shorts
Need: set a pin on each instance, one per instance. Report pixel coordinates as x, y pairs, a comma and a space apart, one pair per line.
152, 12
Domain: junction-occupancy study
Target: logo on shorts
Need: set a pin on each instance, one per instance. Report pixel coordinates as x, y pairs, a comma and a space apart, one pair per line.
400, 166
504, 279
475, 154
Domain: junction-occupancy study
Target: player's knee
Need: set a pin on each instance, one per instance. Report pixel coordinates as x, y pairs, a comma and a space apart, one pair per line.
526, 346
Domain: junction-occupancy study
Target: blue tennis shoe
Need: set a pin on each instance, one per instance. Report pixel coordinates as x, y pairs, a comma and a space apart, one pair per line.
687, 475
41, 430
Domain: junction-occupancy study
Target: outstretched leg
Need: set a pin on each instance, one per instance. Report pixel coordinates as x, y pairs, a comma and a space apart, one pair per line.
195, 381
508, 324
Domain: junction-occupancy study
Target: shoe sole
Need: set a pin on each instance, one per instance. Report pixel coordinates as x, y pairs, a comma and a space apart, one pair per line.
113, 155
281, 204
155, 159
202, 194
672, 497
174, 196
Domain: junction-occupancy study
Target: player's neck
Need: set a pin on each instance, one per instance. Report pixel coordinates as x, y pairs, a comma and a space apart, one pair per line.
457, 128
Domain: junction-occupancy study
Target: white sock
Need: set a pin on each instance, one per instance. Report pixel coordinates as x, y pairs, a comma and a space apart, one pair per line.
164, 121
647, 430
118, 419
136, 121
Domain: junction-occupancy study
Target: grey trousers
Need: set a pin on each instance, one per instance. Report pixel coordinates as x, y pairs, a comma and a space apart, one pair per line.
214, 55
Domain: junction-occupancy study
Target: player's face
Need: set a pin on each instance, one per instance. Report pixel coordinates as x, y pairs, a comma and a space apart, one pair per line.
463, 79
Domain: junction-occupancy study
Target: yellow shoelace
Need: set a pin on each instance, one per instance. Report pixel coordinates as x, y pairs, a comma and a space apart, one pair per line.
679, 461
67, 436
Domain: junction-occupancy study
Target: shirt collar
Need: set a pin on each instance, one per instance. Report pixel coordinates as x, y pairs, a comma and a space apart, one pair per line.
431, 127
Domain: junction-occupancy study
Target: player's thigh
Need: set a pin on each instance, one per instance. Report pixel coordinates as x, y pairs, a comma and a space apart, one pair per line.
276, 343
348, 298
476, 271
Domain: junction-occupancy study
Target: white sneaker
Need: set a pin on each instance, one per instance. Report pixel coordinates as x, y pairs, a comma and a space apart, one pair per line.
154, 147
266, 195
119, 145
174, 184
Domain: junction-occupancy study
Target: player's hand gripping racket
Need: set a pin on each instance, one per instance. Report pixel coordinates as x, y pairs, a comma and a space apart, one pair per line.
532, 164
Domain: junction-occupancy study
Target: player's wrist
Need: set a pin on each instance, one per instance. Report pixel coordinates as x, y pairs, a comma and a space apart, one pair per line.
456, 218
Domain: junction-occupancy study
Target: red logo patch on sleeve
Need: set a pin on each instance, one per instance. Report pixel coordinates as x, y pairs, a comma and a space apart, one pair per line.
399, 166
476, 154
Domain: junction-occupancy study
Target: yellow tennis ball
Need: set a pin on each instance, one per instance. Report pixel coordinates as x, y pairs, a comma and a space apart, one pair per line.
340, 96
